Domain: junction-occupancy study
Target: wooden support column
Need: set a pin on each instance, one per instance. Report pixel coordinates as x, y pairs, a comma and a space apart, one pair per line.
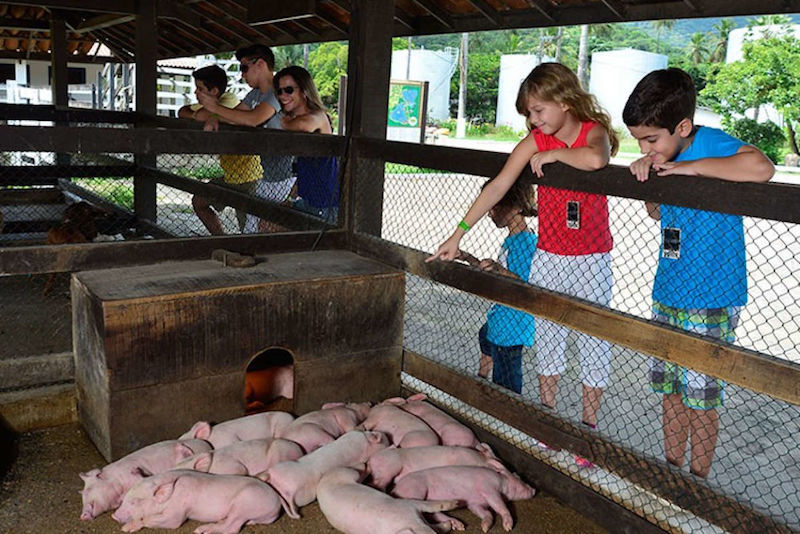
144, 188
58, 72
368, 64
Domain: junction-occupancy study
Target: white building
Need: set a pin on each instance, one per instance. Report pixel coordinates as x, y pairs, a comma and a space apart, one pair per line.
615, 73
434, 67
513, 69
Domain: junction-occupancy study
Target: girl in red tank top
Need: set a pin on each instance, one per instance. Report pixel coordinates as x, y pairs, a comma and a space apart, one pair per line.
568, 126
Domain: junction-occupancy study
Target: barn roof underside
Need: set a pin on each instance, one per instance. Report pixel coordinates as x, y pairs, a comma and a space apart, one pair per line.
191, 27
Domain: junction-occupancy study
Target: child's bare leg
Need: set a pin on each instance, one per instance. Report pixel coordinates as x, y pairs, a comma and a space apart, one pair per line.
207, 216
591, 404
676, 428
705, 430
548, 386
485, 366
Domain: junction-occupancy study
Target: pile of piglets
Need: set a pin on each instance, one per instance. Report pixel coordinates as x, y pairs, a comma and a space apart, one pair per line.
394, 467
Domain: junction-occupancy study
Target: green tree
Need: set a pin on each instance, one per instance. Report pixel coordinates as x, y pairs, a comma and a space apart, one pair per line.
327, 64
722, 30
768, 74
660, 25
698, 48
482, 80
288, 55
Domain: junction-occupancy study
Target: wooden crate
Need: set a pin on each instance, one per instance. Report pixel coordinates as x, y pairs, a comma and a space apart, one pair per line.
159, 347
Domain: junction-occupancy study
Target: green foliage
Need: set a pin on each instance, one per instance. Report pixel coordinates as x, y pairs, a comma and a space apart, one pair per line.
116, 191
768, 74
483, 75
327, 64
767, 135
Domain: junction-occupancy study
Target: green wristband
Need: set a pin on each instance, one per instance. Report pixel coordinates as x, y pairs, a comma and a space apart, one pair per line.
463, 225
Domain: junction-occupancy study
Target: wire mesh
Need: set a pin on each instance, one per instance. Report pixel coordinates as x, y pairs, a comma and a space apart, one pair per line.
755, 458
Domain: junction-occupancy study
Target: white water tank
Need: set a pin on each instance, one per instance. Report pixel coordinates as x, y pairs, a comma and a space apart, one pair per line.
615, 73
513, 69
434, 67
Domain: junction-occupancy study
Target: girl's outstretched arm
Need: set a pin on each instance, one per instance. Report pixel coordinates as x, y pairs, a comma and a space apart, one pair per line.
491, 195
595, 155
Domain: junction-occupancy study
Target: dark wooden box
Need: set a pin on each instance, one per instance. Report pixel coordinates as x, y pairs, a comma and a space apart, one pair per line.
159, 347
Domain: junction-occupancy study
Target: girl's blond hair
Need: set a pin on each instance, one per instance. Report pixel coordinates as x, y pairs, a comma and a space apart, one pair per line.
556, 83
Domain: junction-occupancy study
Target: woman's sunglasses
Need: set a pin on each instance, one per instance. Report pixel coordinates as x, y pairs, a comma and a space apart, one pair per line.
288, 90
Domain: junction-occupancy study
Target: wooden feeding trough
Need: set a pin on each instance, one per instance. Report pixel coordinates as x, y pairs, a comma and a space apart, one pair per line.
159, 347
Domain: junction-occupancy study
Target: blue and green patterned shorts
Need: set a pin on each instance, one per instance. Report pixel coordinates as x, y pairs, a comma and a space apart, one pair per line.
697, 390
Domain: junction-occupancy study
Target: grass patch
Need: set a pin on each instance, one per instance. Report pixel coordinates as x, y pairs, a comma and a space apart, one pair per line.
401, 168
114, 190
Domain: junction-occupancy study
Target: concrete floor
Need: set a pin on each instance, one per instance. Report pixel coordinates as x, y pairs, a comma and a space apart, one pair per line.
39, 494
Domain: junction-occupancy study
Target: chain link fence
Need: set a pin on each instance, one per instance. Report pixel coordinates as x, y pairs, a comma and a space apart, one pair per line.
93, 200
756, 454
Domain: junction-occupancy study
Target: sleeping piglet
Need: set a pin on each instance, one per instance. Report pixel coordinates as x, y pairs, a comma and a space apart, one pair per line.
404, 429
104, 488
482, 489
447, 428
357, 509
244, 457
256, 426
315, 429
393, 464
224, 502
297, 481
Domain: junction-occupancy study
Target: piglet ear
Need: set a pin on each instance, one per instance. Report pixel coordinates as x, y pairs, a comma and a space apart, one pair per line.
497, 465
141, 472
203, 462
89, 474
374, 437
164, 491
329, 405
263, 476
182, 452
201, 430
417, 397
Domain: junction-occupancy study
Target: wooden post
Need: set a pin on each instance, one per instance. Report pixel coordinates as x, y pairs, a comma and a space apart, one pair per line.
144, 188
368, 68
58, 72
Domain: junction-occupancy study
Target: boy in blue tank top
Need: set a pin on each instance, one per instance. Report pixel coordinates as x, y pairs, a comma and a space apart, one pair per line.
507, 330
701, 281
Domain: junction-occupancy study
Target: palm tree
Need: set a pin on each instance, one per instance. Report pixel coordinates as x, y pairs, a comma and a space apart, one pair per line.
666, 24
720, 47
583, 49
698, 47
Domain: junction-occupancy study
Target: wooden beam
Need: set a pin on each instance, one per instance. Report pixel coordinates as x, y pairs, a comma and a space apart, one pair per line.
672, 484
144, 188
285, 216
616, 7
90, 256
691, 4
102, 21
100, 6
368, 69
58, 62
260, 12
46, 56
403, 18
436, 12
488, 11
757, 372
544, 9
768, 201
332, 21
155, 140
10, 23
305, 26
238, 14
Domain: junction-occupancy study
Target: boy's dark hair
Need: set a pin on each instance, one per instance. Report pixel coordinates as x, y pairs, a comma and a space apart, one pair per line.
521, 196
213, 77
257, 51
662, 99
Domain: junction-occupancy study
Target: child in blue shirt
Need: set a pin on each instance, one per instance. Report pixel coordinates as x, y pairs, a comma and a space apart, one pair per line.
507, 330
701, 281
